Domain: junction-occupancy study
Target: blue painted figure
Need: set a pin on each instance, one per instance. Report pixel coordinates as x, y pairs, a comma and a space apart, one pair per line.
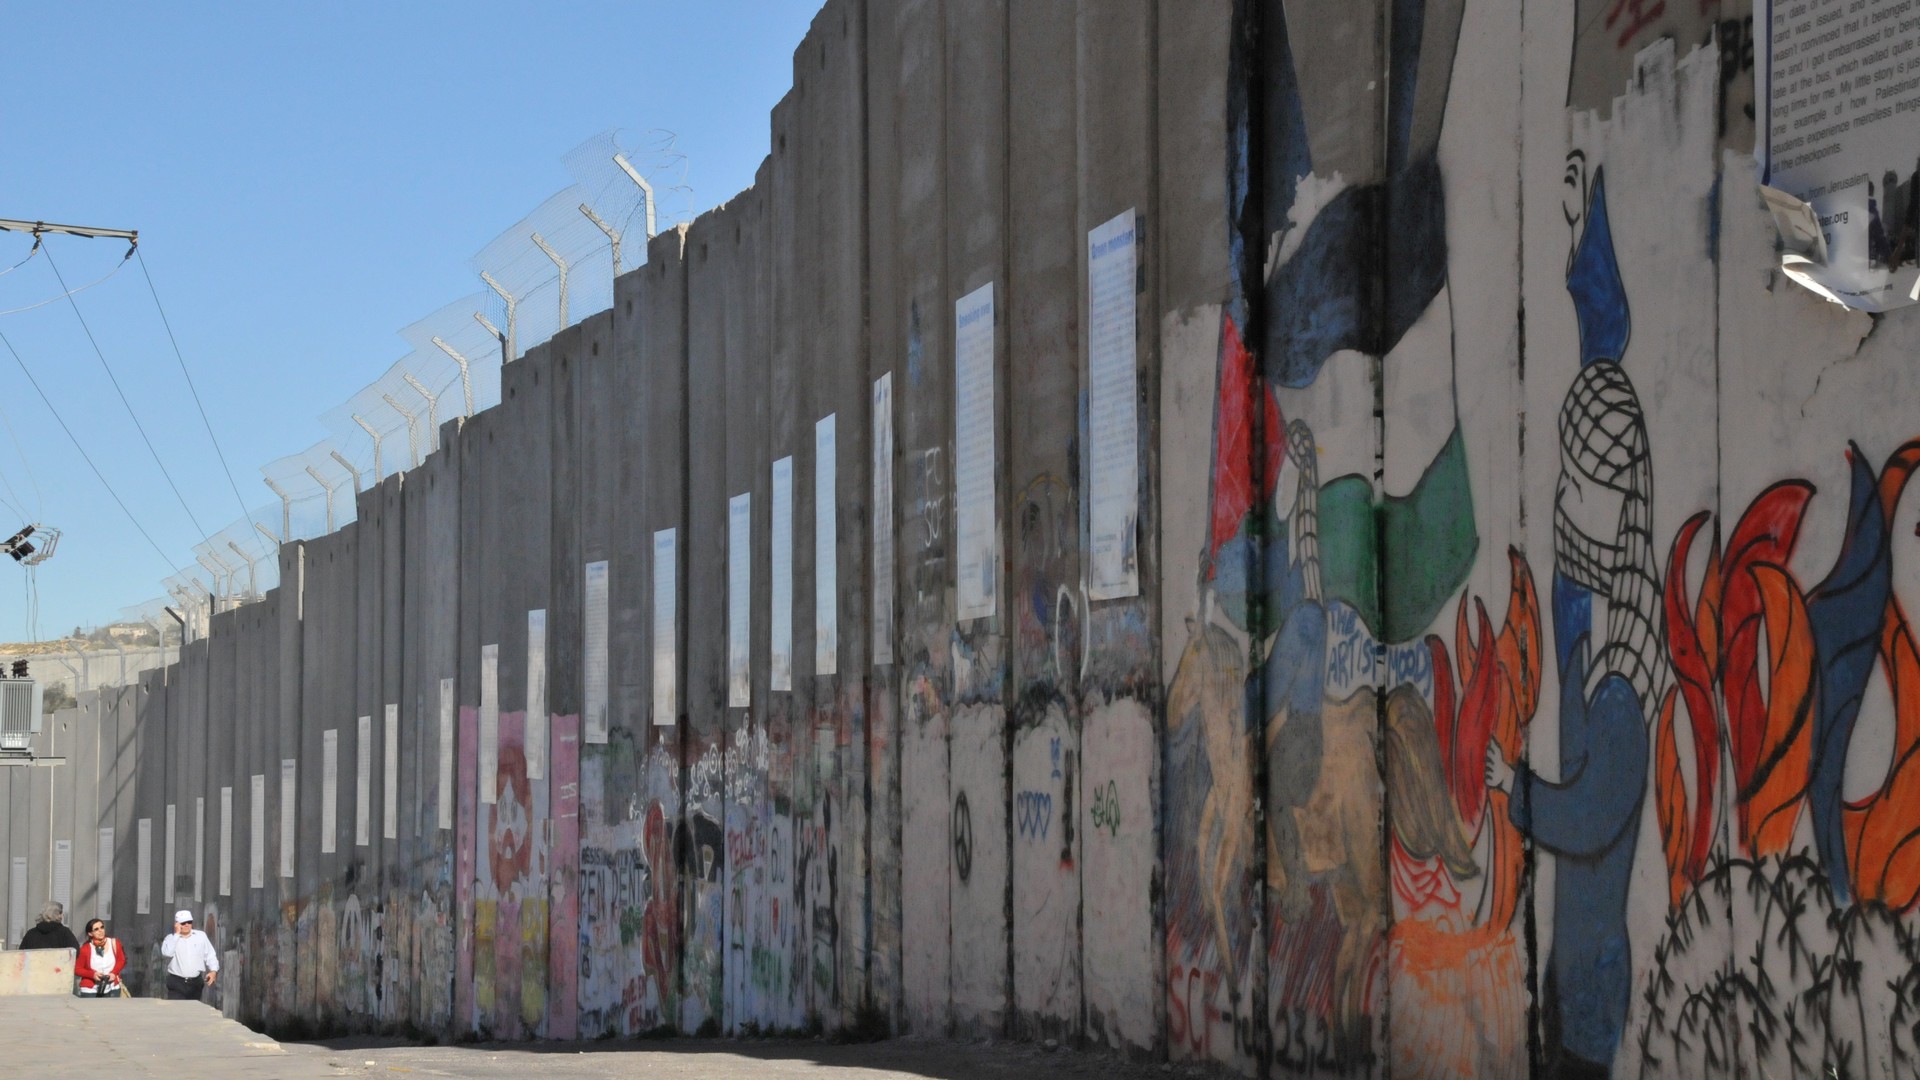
1611, 678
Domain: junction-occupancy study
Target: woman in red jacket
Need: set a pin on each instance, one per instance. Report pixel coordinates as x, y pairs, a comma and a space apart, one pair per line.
100, 962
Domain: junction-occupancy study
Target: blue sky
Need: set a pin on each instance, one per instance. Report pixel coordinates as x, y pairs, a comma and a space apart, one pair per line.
306, 180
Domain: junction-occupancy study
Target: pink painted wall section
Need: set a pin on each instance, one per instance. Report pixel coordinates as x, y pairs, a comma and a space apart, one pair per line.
512, 827
464, 838
563, 939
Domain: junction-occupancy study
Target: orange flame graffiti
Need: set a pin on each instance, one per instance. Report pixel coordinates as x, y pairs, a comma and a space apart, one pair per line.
1501, 679
1717, 652
1883, 829
1457, 972
1716, 648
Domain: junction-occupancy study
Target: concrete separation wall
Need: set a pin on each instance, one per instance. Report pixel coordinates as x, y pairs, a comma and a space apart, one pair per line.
1304, 538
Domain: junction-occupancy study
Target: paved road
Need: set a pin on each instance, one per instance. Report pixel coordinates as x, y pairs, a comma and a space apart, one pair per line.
138, 1037
142, 1038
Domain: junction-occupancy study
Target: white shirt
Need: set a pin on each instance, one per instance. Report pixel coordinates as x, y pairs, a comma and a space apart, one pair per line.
189, 956
99, 963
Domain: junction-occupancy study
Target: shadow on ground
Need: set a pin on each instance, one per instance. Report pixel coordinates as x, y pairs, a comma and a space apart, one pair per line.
736, 1059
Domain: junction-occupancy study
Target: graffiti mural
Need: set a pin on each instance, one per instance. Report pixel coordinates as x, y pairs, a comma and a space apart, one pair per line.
1521, 681
511, 903
1612, 675
700, 850
1320, 587
1782, 662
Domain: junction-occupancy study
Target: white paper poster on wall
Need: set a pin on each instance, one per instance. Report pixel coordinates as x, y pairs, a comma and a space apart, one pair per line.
390, 768
17, 898
883, 519
167, 891
329, 787
536, 729
363, 783
1113, 422
289, 779
257, 832
142, 867
780, 663
226, 841
103, 878
1837, 119
199, 847
740, 600
489, 755
977, 559
593, 655
444, 818
826, 548
666, 644
63, 872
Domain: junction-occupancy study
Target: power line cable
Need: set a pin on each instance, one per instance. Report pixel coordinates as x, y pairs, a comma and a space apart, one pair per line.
123, 396
84, 456
39, 500
70, 292
31, 252
178, 355
15, 504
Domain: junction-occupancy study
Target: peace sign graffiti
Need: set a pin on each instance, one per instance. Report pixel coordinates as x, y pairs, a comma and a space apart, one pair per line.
962, 836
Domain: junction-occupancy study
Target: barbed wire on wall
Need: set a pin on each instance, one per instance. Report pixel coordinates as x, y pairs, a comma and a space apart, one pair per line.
540, 275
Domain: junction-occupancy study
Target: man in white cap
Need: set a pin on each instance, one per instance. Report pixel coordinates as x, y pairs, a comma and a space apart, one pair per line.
192, 963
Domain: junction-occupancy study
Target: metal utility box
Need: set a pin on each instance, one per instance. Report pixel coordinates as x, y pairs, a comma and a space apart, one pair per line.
20, 718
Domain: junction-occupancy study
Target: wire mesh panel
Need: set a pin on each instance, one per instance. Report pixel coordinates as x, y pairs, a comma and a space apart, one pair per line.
469, 380
256, 566
550, 264
315, 488
194, 597
553, 267
633, 186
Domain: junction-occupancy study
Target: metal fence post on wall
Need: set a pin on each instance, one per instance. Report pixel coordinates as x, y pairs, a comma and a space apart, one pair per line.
347, 465
203, 605
433, 411
328, 488
252, 581
286, 508
376, 437
466, 375
646, 189
613, 237
542, 244
219, 571
185, 613
413, 429
506, 340
231, 573
79, 674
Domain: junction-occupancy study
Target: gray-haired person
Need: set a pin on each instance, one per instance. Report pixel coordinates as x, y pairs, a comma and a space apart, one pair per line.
50, 932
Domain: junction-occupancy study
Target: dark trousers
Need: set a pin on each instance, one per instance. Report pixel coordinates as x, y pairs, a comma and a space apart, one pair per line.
184, 989
1561, 1063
